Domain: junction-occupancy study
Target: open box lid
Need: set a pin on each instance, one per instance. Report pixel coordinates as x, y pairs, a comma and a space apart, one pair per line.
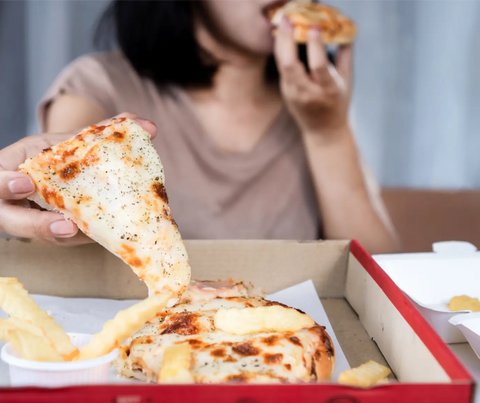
339, 270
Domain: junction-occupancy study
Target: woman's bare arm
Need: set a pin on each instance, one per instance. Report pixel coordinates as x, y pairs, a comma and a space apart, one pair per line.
70, 113
349, 209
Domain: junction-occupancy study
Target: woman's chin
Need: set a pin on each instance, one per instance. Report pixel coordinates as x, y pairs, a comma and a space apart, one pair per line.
262, 48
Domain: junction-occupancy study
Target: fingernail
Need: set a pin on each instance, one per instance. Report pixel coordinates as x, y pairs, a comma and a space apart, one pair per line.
63, 227
21, 185
140, 120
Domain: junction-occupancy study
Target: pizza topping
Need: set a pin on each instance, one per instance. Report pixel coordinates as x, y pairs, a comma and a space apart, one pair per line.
117, 137
273, 358
97, 129
230, 359
237, 378
295, 340
194, 343
52, 197
143, 340
160, 191
184, 324
91, 157
271, 340
219, 352
246, 349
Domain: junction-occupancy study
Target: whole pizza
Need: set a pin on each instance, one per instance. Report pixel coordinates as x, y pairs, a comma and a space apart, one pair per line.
192, 342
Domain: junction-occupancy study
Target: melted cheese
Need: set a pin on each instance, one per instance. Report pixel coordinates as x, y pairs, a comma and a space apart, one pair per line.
219, 357
109, 180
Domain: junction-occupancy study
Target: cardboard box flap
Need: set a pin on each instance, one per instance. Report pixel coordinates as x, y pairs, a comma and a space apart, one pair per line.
92, 271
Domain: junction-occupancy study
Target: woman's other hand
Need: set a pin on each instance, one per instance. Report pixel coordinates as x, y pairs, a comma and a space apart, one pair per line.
318, 99
17, 217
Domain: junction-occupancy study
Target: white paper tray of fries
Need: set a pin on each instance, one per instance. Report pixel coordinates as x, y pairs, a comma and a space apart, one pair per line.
431, 280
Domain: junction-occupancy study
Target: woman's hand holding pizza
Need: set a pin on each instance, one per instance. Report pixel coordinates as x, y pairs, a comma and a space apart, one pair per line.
17, 217
319, 99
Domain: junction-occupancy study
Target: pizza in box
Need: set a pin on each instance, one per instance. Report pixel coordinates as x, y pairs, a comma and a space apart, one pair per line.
109, 180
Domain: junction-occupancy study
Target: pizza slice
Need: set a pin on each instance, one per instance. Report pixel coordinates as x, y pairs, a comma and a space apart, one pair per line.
109, 180
336, 28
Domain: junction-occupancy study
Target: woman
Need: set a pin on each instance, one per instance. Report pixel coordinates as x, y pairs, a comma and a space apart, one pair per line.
254, 145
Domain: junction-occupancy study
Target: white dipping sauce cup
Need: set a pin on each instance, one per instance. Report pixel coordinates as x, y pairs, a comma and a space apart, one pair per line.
58, 374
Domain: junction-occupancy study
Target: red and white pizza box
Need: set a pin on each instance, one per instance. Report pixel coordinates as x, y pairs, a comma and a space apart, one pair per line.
371, 317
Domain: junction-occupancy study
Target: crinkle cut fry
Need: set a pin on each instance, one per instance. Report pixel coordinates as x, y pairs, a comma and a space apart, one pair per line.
17, 303
123, 325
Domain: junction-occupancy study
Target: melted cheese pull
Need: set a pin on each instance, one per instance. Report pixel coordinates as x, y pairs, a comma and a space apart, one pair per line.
262, 319
176, 364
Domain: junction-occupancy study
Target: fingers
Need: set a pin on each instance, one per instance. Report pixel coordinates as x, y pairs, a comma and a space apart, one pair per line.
345, 63
19, 221
15, 185
16, 218
286, 54
317, 58
148, 126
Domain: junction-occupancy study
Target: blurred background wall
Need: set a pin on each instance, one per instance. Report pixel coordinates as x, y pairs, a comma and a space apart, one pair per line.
416, 106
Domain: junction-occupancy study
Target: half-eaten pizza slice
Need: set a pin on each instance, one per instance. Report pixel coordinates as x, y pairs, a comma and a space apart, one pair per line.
109, 180
336, 28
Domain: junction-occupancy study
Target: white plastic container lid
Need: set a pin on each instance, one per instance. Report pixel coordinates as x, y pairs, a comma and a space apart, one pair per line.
58, 374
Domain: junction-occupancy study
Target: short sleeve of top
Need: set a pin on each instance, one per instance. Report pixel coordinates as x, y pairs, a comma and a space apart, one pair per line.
106, 79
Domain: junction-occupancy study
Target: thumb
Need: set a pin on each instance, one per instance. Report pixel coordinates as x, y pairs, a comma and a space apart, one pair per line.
147, 125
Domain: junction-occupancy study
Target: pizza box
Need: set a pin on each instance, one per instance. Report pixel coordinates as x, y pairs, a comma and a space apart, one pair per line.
431, 280
371, 317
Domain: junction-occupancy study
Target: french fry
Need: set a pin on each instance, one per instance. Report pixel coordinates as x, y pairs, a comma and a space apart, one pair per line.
262, 319
16, 302
464, 303
14, 323
32, 347
366, 375
176, 365
123, 325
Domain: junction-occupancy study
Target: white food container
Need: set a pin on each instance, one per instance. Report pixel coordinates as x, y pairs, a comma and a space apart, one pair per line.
58, 374
469, 325
431, 280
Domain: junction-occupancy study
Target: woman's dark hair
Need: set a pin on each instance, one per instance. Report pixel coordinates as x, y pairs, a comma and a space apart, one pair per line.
158, 39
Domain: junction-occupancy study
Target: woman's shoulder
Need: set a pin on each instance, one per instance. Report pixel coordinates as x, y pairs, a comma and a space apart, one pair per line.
103, 78
110, 63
